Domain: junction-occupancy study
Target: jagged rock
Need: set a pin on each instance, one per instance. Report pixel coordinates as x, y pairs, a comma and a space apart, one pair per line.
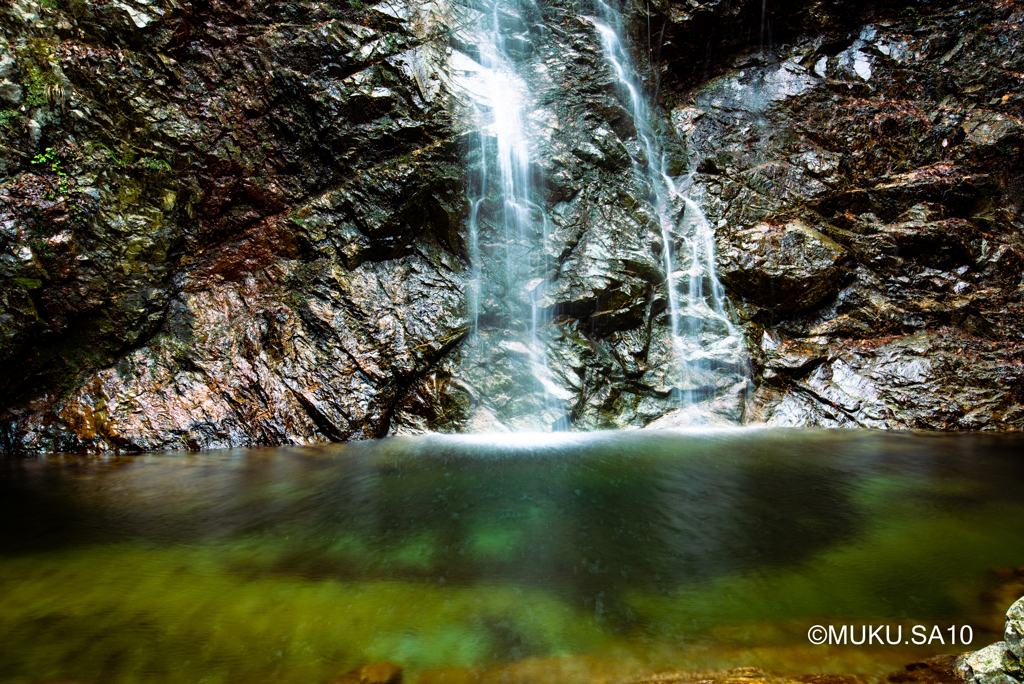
912, 186
598, 355
783, 268
235, 233
1015, 630
1002, 662
991, 665
934, 381
231, 224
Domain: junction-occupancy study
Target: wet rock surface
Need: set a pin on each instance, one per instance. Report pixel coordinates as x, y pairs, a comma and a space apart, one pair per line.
896, 138
597, 270
222, 224
227, 224
791, 267
1001, 662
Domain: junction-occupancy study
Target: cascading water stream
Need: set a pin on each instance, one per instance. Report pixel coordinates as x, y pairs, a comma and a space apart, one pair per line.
499, 96
619, 60
525, 109
696, 233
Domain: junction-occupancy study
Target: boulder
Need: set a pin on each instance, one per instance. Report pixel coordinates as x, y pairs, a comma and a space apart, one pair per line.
785, 268
1015, 630
991, 665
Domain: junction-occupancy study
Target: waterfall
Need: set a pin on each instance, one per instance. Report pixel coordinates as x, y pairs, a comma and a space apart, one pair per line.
529, 123
677, 216
507, 223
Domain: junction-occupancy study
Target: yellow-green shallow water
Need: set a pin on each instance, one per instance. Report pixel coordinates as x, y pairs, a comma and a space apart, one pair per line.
589, 557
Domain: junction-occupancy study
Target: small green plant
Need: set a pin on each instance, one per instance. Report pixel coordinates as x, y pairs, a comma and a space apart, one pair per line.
111, 155
49, 158
150, 163
155, 164
7, 116
41, 249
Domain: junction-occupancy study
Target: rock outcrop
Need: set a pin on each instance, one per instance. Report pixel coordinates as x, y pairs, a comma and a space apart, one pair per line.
222, 224
864, 179
1003, 661
228, 224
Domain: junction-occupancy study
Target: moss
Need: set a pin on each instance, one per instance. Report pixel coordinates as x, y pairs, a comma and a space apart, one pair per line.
40, 81
28, 284
7, 118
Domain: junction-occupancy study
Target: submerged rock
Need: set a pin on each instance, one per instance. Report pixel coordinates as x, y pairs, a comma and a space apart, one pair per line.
746, 675
1006, 586
382, 672
937, 670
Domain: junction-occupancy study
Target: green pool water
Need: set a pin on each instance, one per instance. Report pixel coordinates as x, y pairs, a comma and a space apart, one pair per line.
509, 557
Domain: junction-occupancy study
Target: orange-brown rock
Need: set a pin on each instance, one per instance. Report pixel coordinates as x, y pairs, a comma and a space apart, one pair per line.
748, 675
937, 670
382, 672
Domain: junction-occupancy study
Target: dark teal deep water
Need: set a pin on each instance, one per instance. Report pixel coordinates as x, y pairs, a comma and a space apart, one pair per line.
580, 556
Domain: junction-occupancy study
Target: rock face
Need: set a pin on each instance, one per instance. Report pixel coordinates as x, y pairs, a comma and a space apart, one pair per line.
1003, 661
222, 225
597, 270
227, 224
863, 173
788, 268
1015, 630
